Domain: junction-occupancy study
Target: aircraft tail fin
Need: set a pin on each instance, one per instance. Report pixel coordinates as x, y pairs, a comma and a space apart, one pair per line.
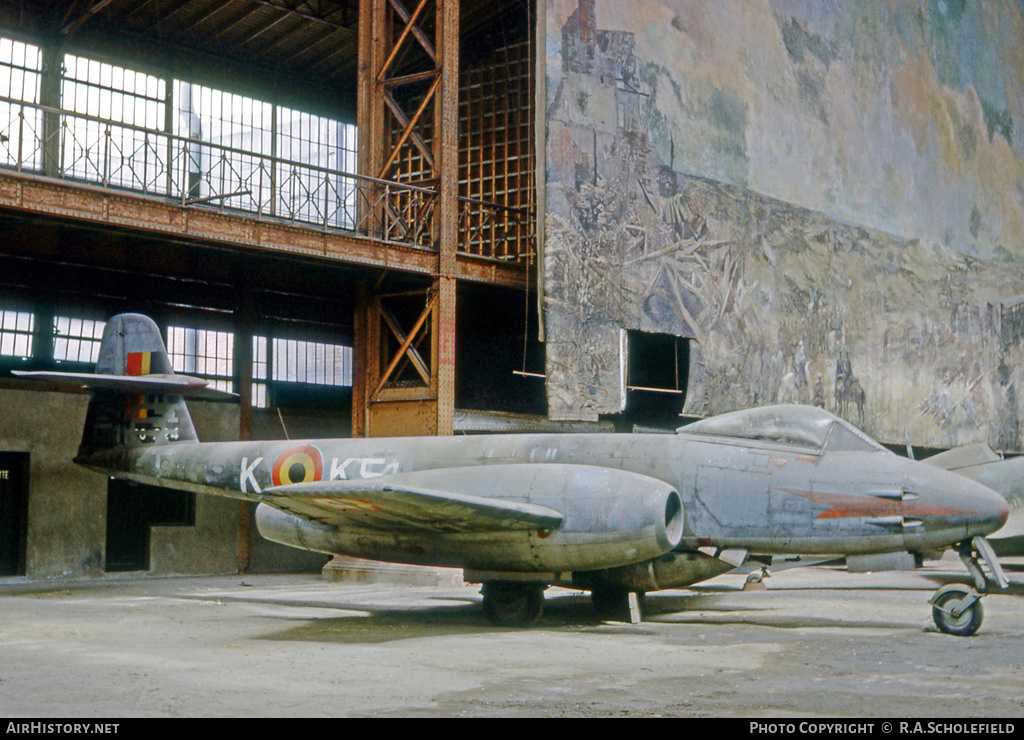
136, 397
134, 414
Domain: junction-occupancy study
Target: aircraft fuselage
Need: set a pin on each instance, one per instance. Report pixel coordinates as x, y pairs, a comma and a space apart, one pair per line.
765, 497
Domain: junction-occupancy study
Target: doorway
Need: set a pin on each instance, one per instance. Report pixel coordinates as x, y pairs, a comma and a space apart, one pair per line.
14, 467
132, 508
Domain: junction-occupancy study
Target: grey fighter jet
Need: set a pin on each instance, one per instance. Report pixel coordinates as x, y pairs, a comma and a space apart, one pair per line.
614, 514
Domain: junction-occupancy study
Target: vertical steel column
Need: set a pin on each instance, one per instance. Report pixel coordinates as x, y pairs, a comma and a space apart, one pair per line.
244, 330
50, 89
361, 359
370, 106
370, 125
401, 140
446, 148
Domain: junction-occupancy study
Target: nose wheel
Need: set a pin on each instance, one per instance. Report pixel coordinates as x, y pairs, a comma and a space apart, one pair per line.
956, 610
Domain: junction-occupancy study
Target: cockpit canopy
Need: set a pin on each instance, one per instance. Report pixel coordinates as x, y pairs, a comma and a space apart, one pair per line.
803, 426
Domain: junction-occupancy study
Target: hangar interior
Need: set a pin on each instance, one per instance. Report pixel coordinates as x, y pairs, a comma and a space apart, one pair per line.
208, 164
382, 217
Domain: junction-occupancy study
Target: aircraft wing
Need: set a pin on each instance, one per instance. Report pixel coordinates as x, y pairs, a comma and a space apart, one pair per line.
424, 501
142, 384
968, 456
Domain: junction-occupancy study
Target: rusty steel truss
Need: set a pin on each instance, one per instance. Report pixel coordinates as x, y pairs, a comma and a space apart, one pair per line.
408, 118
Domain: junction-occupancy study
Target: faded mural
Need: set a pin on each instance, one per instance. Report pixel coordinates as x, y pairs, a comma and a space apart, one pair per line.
828, 198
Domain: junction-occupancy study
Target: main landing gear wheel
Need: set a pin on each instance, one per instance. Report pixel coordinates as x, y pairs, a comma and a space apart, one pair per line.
957, 610
513, 603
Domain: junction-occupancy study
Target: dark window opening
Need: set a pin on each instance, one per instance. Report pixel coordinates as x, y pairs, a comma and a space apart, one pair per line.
499, 360
132, 508
657, 370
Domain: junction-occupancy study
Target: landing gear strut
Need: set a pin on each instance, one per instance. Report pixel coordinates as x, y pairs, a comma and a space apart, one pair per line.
513, 603
956, 608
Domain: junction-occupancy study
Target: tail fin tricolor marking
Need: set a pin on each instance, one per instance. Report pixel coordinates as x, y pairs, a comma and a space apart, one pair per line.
138, 363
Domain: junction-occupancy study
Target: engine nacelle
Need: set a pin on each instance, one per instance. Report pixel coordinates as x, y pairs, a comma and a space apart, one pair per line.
288, 529
610, 518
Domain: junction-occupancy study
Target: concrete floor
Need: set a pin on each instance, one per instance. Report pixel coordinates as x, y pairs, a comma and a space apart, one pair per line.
816, 643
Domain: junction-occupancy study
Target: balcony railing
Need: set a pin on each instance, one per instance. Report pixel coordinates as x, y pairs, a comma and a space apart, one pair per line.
122, 157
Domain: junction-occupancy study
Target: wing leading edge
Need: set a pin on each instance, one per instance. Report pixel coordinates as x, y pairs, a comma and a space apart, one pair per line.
152, 383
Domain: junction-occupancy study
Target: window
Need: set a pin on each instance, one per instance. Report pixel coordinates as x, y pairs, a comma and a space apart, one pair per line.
298, 361
129, 129
76, 340
20, 127
231, 122
16, 329
208, 354
314, 195
115, 155
318, 363
259, 372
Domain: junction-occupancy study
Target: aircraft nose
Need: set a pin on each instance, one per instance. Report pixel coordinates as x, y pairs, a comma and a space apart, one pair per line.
955, 503
1003, 510
991, 507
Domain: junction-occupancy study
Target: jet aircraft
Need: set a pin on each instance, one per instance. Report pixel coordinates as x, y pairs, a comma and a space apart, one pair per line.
613, 514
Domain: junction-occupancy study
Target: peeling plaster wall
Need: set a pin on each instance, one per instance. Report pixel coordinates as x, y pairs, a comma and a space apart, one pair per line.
828, 198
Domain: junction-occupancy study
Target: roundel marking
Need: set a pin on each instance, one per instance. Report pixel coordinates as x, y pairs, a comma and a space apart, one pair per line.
288, 463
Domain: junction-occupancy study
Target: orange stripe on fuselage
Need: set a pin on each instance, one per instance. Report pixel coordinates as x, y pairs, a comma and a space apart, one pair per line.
842, 506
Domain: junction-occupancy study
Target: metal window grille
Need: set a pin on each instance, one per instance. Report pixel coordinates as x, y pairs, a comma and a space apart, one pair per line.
297, 361
101, 151
325, 197
497, 169
21, 128
76, 340
317, 363
294, 360
127, 129
235, 125
208, 354
16, 329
